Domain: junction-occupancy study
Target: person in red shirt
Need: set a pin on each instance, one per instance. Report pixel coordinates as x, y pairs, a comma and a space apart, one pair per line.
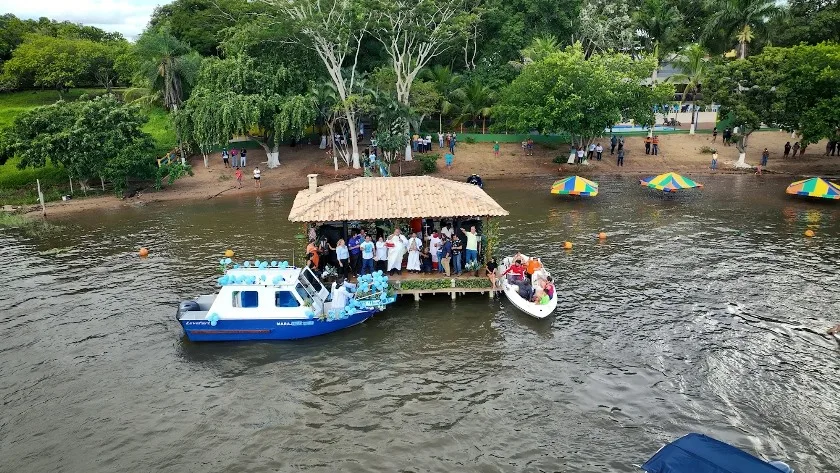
517, 270
238, 175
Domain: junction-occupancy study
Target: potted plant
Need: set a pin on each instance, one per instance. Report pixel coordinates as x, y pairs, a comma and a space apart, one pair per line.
473, 267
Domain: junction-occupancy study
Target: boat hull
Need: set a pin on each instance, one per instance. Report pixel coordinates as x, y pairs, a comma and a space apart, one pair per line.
266, 329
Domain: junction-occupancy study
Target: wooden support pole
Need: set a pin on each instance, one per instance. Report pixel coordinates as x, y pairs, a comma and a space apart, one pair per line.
41, 198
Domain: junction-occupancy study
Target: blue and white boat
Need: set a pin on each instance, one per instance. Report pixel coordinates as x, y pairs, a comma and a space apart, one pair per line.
697, 453
278, 303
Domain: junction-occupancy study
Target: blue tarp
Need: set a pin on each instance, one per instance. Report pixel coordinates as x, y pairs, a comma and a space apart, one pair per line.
697, 453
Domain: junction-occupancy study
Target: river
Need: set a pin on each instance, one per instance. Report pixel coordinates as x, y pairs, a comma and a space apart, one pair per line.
690, 316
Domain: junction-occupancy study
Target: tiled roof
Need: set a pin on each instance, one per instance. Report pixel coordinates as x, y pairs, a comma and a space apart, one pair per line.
376, 198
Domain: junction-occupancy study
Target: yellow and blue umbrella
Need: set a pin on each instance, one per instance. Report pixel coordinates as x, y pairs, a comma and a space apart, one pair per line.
815, 187
669, 182
575, 185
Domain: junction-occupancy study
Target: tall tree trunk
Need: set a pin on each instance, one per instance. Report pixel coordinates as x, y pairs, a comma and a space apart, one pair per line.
693, 112
742, 54
354, 137
483, 124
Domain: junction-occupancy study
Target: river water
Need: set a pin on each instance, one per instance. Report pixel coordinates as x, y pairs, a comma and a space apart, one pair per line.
692, 316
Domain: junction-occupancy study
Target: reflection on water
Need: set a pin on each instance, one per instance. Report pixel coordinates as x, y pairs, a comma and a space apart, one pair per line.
693, 315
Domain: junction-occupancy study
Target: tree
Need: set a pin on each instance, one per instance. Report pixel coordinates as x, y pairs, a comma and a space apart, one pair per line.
200, 23
334, 29
474, 101
658, 23
733, 86
807, 21
605, 25
168, 67
445, 83
237, 95
413, 32
567, 93
793, 88
741, 19
44, 61
90, 138
693, 65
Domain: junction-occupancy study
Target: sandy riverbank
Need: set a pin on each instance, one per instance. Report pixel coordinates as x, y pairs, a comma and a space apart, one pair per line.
679, 153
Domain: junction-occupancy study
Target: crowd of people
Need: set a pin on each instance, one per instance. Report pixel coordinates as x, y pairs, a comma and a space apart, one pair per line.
446, 251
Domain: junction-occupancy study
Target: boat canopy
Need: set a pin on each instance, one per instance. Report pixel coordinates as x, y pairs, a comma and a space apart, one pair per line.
697, 453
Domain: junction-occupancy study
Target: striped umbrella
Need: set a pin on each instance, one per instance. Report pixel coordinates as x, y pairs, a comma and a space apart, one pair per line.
575, 185
815, 187
669, 182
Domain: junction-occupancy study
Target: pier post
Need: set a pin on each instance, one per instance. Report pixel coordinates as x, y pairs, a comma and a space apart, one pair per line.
454, 292
417, 296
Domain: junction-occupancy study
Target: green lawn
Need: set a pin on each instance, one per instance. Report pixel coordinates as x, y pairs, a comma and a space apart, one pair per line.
17, 186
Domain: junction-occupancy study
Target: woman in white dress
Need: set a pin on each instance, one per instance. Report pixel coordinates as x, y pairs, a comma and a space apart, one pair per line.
414, 247
396, 249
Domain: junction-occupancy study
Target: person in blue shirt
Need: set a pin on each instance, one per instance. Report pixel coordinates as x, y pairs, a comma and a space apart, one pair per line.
343, 257
354, 245
367, 248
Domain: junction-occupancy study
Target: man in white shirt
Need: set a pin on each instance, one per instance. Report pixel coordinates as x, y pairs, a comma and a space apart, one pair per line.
440, 140
591, 153
447, 231
599, 151
580, 155
472, 245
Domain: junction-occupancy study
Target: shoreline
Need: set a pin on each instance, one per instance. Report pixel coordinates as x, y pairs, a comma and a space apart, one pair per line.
678, 153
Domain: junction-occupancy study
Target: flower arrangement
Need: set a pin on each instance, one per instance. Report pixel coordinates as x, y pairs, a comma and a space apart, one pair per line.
472, 266
329, 272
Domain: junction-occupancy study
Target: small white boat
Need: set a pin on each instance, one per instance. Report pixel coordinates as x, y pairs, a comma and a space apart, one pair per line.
511, 290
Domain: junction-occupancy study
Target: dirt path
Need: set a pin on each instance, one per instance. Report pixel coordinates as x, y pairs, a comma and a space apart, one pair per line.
679, 153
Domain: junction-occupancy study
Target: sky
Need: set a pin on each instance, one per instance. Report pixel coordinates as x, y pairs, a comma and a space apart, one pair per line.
128, 17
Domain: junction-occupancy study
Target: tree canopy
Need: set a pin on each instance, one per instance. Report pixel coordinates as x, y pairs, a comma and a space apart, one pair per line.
567, 93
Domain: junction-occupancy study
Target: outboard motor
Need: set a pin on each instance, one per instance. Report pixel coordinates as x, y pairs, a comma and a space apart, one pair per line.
189, 306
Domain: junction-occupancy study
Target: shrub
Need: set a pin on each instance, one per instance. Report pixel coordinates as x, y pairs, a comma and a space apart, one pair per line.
707, 150
559, 159
469, 140
425, 284
428, 162
469, 283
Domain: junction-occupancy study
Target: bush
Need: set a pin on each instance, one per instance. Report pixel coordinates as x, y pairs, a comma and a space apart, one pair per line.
469, 140
707, 150
559, 159
425, 284
470, 283
428, 162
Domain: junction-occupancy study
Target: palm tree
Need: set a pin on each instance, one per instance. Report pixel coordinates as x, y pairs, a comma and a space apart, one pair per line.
540, 48
167, 65
693, 65
474, 102
740, 19
446, 82
657, 21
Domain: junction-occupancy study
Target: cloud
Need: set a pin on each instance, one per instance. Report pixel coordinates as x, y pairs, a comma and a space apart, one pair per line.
129, 17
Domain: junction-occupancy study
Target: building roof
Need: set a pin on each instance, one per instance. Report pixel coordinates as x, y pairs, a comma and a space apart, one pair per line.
380, 198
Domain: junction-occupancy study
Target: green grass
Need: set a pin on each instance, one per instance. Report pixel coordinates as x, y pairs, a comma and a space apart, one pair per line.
17, 186
29, 226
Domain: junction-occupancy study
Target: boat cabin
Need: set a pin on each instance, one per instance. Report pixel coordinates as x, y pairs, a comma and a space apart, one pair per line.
278, 294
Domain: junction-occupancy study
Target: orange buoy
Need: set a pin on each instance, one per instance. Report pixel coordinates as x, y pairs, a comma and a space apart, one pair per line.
567, 245
229, 253
809, 233
602, 236
144, 252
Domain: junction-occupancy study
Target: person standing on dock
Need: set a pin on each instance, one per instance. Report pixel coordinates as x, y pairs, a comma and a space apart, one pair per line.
368, 248
396, 249
457, 249
415, 244
445, 256
381, 256
342, 254
472, 245
355, 247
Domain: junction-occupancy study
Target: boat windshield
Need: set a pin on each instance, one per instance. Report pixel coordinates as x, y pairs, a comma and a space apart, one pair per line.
308, 278
310, 283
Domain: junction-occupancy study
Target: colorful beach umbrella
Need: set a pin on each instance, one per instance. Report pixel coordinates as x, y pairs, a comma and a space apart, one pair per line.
575, 185
815, 187
669, 182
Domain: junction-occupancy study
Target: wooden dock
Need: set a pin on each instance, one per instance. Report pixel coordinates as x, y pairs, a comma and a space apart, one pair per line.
441, 285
